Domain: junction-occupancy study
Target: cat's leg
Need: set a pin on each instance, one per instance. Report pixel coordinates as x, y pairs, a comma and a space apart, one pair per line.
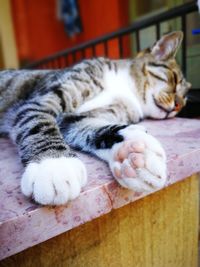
53, 174
136, 159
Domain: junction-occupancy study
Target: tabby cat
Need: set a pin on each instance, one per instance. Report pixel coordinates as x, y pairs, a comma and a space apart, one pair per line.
92, 107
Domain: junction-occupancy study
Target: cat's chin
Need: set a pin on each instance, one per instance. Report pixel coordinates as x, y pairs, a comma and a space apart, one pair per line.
172, 115
163, 115
157, 118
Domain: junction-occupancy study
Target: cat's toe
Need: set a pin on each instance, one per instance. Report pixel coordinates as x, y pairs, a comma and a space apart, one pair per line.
54, 181
139, 163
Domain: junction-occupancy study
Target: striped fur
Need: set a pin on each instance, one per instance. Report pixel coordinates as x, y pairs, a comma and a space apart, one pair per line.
45, 112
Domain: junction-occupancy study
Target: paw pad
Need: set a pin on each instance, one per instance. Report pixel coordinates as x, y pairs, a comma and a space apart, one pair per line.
140, 163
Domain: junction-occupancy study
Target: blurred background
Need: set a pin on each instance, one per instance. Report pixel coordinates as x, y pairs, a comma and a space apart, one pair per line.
33, 29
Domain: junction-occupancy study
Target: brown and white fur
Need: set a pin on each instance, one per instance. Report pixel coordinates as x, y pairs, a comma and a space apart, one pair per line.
92, 107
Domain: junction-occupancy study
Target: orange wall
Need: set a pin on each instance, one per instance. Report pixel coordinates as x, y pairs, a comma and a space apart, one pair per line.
39, 33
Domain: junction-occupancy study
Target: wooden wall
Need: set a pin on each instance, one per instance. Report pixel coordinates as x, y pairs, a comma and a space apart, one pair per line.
39, 32
160, 230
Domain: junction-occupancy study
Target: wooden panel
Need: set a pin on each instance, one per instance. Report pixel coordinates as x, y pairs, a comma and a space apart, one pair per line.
8, 53
160, 230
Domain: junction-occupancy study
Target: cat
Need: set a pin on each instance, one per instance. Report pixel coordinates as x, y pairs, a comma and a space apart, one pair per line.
92, 107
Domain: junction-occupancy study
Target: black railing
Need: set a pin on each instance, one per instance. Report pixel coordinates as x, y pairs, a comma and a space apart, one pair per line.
69, 56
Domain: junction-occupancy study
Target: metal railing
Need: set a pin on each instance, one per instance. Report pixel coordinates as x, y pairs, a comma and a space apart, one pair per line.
61, 59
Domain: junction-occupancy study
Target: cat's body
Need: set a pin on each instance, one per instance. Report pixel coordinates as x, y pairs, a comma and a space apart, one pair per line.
91, 107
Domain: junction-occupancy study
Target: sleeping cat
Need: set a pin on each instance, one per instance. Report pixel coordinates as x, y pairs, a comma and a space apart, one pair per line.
92, 107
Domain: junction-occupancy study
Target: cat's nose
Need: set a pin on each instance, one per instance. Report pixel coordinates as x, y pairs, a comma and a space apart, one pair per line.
177, 107
178, 103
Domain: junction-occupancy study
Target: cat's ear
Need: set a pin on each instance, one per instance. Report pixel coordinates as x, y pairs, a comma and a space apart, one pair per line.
167, 46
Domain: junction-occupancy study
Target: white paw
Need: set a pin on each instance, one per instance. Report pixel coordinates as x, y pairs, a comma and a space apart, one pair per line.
139, 162
54, 181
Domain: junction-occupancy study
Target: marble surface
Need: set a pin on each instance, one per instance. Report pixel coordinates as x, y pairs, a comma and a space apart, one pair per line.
24, 223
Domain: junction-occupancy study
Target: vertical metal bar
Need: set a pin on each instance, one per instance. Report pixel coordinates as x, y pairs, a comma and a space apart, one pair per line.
59, 63
44, 66
55, 63
184, 45
157, 31
66, 61
137, 40
106, 48
120, 47
49, 64
74, 57
82, 53
93, 51
62, 62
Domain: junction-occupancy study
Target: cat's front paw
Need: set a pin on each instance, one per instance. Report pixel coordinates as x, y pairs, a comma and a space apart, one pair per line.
54, 181
139, 162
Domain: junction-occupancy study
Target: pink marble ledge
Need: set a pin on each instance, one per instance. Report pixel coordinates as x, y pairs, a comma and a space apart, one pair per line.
24, 224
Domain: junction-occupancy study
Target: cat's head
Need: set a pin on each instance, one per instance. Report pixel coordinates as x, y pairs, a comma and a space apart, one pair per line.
165, 87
